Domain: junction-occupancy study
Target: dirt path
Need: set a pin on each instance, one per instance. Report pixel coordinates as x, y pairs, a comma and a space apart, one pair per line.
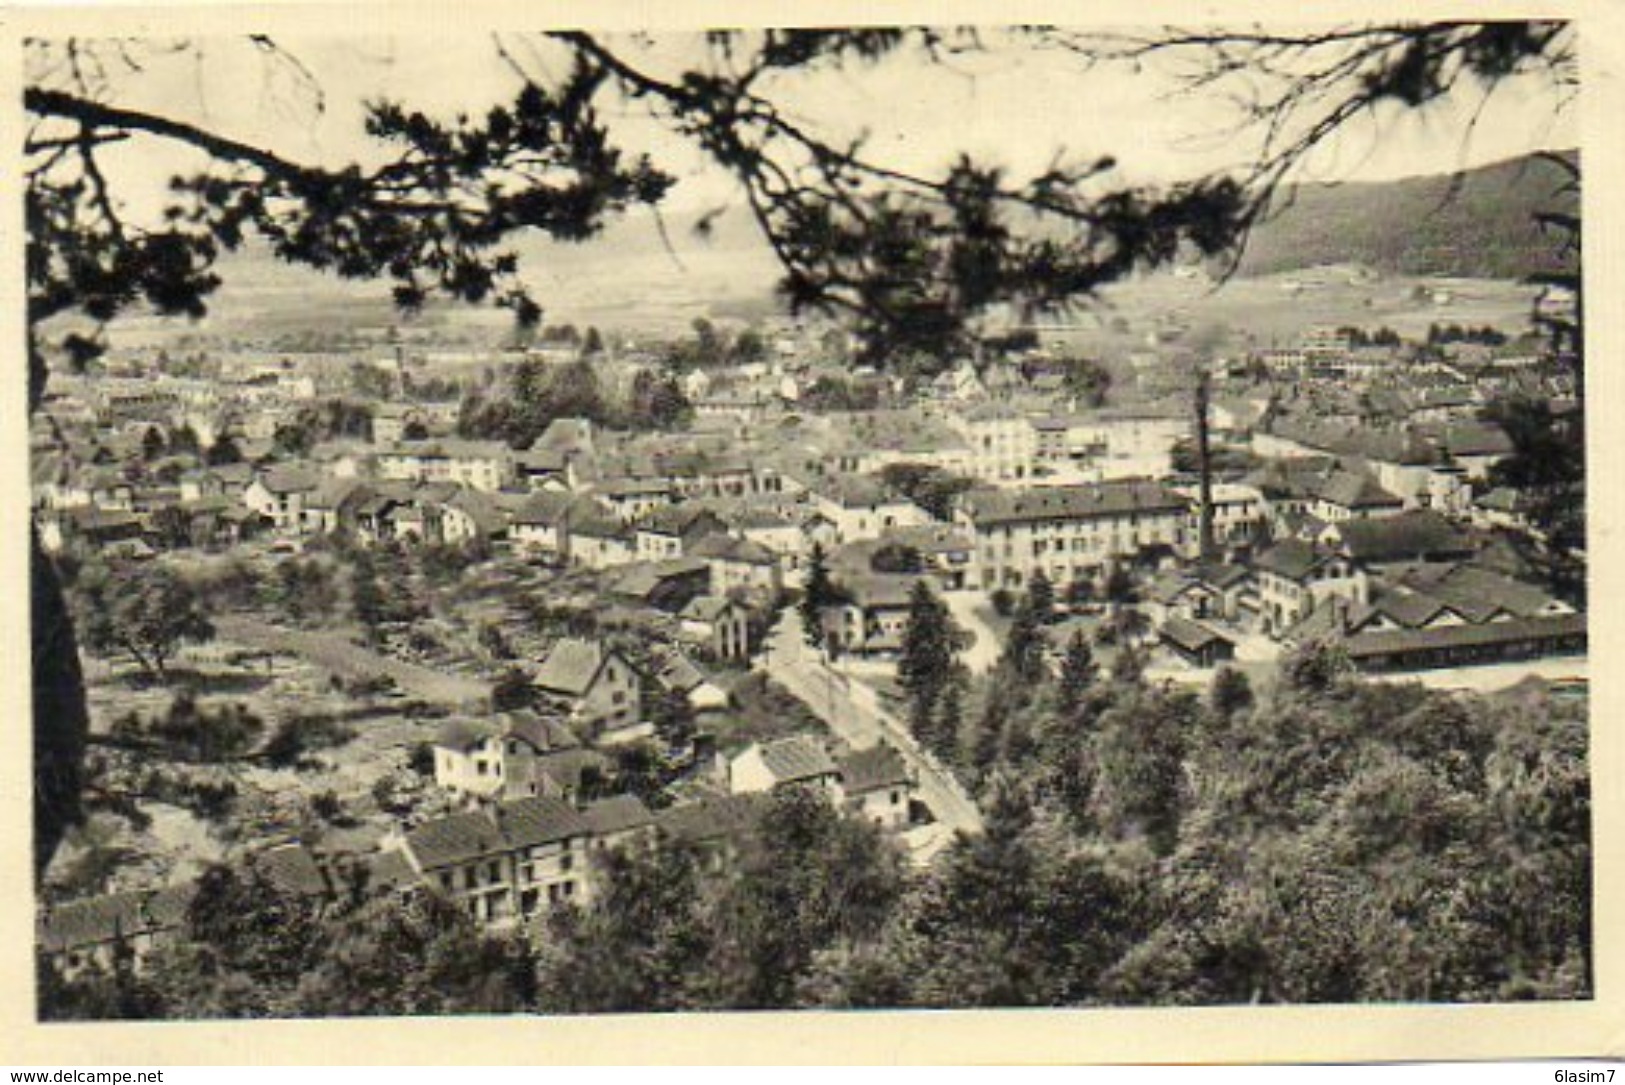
335, 653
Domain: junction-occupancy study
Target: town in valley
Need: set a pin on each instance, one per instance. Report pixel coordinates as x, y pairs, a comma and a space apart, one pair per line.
1223, 642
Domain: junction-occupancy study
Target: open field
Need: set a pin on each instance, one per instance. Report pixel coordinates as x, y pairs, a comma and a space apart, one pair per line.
350, 660
733, 275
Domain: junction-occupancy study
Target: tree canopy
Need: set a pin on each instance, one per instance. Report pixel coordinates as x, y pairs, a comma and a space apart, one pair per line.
912, 259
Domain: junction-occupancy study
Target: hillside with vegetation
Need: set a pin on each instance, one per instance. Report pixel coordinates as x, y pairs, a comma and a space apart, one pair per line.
1479, 224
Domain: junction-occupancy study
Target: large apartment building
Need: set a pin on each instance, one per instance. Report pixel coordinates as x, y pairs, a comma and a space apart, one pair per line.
1070, 531
1003, 443
512, 861
479, 465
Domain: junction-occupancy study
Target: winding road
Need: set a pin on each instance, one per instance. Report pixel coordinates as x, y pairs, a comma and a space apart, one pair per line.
852, 710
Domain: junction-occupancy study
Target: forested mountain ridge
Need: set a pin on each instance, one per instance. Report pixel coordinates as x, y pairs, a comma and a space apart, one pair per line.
1480, 224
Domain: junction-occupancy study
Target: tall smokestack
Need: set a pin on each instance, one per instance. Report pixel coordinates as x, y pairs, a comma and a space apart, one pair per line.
1204, 465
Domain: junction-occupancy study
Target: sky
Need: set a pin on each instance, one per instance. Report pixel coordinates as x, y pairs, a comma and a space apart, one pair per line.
1017, 106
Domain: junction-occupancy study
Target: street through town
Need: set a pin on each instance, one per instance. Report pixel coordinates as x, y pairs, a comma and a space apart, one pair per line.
851, 710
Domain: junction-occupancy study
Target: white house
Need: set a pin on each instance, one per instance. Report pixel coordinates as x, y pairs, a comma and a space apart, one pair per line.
598, 686
796, 761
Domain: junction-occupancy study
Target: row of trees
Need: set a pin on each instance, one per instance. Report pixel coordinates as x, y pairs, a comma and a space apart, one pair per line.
932, 488
538, 395
711, 347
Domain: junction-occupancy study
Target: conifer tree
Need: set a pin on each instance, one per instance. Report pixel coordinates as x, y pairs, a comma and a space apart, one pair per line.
818, 593
927, 661
1041, 598
1078, 672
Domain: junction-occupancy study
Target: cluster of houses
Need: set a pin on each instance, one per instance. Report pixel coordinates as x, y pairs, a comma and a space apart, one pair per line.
1343, 354
1408, 591
1358, 517
688, 521
512, 854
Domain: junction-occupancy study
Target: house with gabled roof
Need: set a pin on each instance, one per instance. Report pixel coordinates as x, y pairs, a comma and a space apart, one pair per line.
541, 469
568, 437
719, 623
548, 841
331, 504
1071, 531
796, 761
862, 507
1199, 593
618, 820
599, 541
1418, 535
718, 827
1353, 495
946, 551
482, 465
1288, 487
772, 528
1196, 643
671, 531
597, 685
228, 479
737, 564
508, 756
878, 786
663, 587
674, 672
92, 932
540, 526
91, 526
1296, 577
1474, 446
104, 487
873, 614
95, 932
503, 863
280, 494
629, 498
473, 516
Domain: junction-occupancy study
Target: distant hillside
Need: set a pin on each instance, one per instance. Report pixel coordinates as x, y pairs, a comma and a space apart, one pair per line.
631, 277
1417, 226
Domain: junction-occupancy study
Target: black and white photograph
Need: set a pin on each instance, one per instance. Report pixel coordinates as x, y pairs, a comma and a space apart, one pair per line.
533, 523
